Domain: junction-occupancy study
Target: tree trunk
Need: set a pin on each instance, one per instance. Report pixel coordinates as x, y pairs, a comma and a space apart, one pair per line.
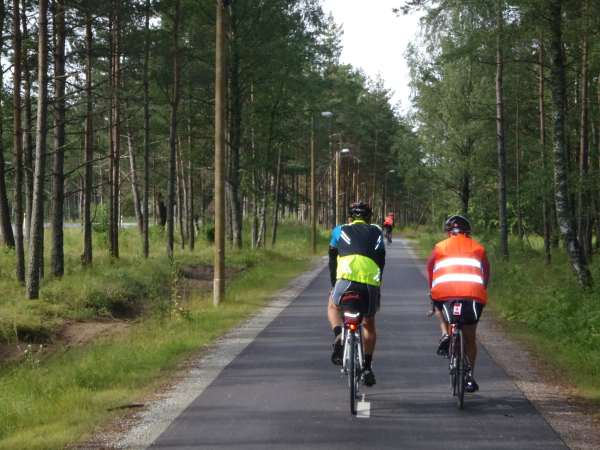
500, 144
545, 203
135, 192
190, 184
6, 231
276, 198
561, 182
235, 134
190, 208
255, 209
173, 136
27, 130
115, 132
255, 180
86, 258
520, 230
58, 177
597, 147
228, 214
465, 192
583, 200
145, 216
181, 194
374, 181
18, 144
262, 225
37, 217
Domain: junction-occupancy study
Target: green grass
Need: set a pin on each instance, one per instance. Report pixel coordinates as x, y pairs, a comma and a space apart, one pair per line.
49, 402
544, 307
110, 288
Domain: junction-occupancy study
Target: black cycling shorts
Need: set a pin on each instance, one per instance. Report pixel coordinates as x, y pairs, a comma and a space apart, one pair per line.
464, 311
369, 296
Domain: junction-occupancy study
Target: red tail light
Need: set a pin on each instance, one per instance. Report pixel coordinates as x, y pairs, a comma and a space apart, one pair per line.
352, 320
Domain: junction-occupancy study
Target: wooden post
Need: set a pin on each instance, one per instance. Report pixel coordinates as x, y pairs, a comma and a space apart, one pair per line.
219, 261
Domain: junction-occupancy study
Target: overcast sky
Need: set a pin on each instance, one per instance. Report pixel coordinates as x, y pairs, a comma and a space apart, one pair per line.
375, 40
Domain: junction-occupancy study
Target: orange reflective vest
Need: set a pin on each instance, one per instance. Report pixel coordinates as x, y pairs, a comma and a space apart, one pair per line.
458, 269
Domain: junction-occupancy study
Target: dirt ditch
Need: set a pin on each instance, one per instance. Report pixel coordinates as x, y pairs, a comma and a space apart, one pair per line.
192, 280
198, 279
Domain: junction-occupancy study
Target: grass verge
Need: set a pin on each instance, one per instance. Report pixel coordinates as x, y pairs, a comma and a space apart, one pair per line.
50, 402
544, 308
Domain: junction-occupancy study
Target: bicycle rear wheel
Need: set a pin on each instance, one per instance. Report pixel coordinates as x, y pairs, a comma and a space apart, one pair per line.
452, 364
460, 370
352, 373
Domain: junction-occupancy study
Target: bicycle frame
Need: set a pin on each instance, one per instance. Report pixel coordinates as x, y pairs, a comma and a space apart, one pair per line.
458, 360
356, 330
353, 360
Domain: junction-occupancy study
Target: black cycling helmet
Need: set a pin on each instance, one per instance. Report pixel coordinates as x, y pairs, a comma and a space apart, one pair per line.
360, 210
457, 224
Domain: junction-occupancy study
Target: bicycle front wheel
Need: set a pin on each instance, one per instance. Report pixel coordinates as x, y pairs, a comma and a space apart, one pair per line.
461, 371
352, 372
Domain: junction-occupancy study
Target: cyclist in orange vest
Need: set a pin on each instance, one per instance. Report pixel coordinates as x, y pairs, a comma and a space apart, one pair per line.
458, 269
388, 225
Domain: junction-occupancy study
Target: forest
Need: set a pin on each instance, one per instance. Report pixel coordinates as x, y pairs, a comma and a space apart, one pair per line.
507, 112
108, 121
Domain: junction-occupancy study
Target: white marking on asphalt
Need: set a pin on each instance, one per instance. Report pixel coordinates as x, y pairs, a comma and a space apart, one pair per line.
363, 409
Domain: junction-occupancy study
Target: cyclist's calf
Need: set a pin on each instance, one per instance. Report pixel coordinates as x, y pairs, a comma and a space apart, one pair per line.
369, 334
470, 335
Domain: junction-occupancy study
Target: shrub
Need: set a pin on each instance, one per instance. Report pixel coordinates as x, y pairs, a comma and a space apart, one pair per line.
209, 232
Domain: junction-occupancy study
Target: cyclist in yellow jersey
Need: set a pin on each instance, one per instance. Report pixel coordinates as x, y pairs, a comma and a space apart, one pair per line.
356, 261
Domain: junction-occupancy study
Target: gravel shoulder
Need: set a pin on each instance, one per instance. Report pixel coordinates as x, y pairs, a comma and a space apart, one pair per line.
553, 400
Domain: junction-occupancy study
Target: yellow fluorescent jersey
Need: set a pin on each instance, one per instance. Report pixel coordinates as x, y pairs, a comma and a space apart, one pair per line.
361, 252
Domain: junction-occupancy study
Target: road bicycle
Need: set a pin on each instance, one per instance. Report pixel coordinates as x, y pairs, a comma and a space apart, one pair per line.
353, 359
388, 234
459, 363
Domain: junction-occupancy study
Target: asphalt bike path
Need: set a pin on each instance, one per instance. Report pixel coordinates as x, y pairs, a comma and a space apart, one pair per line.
282, 392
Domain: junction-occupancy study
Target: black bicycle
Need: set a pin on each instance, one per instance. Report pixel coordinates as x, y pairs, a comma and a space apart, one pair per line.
459, 364
353, 360
388, 234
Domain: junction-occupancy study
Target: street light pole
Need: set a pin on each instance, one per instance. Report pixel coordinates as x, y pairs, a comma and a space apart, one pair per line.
338, 209
357, 179
384, 200
313, 187
337, 188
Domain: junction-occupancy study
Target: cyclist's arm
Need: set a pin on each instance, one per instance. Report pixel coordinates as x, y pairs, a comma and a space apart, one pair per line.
485, 267
430, 264
380, 254
333, 254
